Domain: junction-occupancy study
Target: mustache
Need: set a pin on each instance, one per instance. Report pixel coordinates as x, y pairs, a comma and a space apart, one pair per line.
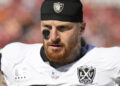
54, 43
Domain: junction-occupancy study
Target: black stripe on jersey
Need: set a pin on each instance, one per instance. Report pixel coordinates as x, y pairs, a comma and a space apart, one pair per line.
42, 53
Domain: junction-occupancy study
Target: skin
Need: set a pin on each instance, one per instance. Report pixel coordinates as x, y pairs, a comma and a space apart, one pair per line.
63, 44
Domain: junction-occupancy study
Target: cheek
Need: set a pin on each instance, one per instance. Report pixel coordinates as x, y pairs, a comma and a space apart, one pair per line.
45, 43
73, 39
70, 39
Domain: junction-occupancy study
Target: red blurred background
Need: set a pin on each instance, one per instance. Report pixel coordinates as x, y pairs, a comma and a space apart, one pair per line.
20, 21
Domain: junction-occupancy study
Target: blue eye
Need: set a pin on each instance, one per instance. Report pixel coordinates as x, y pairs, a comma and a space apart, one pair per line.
64, 28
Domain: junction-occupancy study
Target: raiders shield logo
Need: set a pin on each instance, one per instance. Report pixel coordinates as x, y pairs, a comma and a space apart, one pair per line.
58, 7
86, 74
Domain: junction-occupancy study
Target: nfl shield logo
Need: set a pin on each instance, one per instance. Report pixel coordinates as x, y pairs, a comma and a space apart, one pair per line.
58, 7
86, 74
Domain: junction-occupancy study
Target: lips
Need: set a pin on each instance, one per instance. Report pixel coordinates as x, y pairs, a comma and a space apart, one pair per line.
55, 46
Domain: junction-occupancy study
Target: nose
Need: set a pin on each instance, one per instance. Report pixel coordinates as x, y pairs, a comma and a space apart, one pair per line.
54, 36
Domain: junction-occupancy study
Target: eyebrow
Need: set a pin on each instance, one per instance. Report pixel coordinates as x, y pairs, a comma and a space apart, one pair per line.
49, 26
67, 25
64, 26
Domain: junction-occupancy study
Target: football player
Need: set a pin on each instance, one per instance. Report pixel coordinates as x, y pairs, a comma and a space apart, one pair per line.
63, 58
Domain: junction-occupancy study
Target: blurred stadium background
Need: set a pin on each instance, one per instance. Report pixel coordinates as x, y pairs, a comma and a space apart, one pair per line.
20, 21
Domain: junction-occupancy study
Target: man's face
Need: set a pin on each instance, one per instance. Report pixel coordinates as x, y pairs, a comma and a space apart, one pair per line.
60, 38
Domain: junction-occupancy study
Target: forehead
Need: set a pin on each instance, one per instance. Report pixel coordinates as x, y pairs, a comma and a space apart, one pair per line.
56, 23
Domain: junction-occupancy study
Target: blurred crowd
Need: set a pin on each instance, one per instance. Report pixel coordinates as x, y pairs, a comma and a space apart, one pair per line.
103, 25
20, 21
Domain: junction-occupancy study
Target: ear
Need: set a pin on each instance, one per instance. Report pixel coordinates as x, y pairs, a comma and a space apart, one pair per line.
82, 27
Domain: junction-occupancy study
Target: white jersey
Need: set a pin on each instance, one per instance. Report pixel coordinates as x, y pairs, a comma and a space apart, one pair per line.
22, 65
